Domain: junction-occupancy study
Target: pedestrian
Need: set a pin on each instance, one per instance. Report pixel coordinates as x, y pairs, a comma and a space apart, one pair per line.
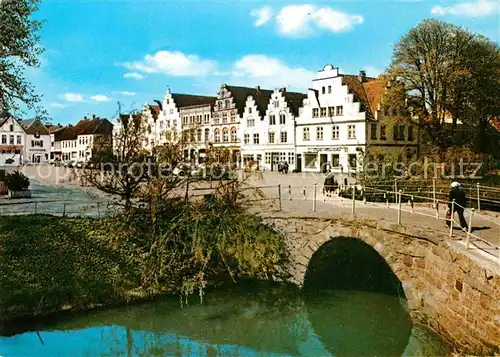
458, 194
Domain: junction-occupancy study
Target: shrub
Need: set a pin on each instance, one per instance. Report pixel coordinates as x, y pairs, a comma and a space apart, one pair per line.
17, 181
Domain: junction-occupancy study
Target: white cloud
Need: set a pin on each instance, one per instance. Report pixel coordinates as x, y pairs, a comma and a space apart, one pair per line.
73, 97
262, 15
468, 9
302, 20
270, 73
133, 75
128, 94
336, 21
57, 105
173, 63
101, 98
295, 20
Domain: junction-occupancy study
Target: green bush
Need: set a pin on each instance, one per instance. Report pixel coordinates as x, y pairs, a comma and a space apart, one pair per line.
17, 181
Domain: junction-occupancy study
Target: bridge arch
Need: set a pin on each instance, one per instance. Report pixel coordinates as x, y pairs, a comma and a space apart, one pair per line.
349, 263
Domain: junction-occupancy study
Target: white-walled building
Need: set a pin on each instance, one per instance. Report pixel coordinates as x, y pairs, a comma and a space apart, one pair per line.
341, 120
12, 142
77, 143
37, 143
268, 137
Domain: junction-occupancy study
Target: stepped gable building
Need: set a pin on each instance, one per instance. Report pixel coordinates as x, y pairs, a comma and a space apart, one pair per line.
268, 137
228, 111
179, 113
342, 123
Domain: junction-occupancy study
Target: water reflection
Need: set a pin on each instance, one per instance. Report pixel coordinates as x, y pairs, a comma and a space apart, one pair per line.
265, 321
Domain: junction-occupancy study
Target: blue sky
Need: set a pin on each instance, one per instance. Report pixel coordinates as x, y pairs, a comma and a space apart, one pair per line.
105, 51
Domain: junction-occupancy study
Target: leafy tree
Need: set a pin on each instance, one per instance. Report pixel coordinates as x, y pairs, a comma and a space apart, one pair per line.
18, 49
445, 72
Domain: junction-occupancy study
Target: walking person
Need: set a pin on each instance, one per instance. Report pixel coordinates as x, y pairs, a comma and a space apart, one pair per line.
458, 194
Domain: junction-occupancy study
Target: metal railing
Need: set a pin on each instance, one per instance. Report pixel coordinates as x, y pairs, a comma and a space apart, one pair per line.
308, 198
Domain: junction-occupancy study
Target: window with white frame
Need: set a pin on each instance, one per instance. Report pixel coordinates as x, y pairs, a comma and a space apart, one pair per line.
331, 111
323, 112
351, 131
247, 138
282, 119
4, 139
19, 139
224, 118
217, 135
276, 104
11, 139
306, 135
225, 135
329, 89
319, 133
250, 122
315, 112
284, 136
270, 137
291, 158
335, 132
256, 138
234, 136
268, 158
207, 134
272, 120
340, 110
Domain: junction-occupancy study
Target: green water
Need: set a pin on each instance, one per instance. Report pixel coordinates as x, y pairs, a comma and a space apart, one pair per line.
250, 321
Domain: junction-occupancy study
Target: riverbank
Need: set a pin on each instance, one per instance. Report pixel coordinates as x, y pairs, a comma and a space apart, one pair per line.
52, 264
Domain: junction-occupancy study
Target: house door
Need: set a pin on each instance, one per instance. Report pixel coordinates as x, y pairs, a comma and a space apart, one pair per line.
275, 157
298, 163
323, 159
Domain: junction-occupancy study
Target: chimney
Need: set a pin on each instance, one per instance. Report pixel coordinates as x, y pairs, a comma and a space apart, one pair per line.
362, 76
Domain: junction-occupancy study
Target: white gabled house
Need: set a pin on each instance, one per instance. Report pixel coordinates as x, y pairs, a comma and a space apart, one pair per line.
268, 134
341, 121
12, 142
37, 143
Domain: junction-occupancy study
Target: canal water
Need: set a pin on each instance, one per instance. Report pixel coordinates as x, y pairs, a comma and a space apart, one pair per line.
250, 320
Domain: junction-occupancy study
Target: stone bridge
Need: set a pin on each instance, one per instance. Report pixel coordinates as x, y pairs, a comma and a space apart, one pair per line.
448, 289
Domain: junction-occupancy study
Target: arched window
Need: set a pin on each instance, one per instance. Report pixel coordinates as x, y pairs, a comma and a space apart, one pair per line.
233, 135
217, 135
198, 135
207, 134
225, 135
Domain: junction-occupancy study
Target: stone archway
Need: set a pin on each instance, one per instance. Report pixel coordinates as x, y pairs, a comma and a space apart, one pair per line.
348, 263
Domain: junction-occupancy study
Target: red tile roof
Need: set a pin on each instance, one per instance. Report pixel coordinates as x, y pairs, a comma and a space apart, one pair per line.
369, 92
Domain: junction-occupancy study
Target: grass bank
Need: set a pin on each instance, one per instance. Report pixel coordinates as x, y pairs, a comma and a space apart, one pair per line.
50, 264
